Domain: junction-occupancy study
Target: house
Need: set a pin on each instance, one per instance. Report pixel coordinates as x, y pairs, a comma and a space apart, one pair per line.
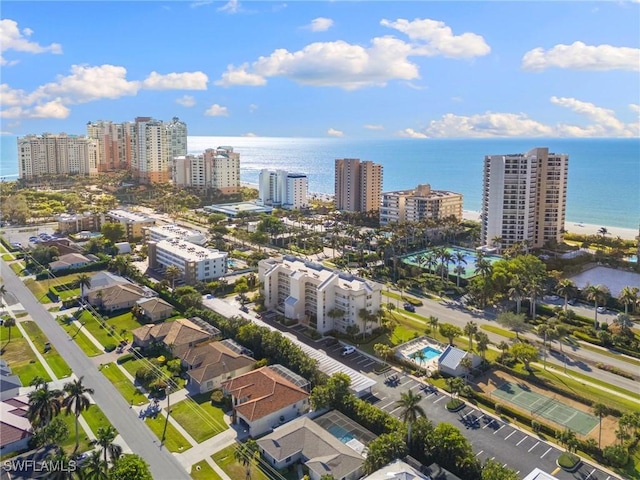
397, 470
70, 260
180, 335
537, 474
449, 361
116, 297
436, 472
211, 364
15, 428
9, 383
263, 399
303, 440
102, 280
155, 309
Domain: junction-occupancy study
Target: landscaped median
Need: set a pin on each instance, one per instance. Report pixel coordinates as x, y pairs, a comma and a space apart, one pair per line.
123, 384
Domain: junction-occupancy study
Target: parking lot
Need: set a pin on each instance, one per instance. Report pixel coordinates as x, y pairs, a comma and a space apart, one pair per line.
22, 234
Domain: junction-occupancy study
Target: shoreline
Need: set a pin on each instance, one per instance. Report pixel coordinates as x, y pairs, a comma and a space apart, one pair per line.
575, 227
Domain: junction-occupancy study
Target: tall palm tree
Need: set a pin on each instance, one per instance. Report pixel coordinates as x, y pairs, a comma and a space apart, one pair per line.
411, 410
467, 364
95, 468
63, 470
482, 343
44, 404
628, 295
172, 273
504, 346
600, 410
76, 401
104, 438
534, 290
598, 295
470, 329
84, 281
566, 288
10, 322
433, 322
517, 291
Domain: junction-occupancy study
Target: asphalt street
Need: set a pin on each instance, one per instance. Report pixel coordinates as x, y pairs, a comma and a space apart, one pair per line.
135, 433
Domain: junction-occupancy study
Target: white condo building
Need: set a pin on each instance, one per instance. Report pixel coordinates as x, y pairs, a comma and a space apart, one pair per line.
524, 198
165, 232
61, 154
215, 168
151, 153
308, 292
176, 137
419, 204
280, 188
198, 264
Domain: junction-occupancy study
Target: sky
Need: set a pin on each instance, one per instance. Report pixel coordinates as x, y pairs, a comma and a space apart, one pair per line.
354, 69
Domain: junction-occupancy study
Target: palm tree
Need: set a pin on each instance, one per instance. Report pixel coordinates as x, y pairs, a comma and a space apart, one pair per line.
567, 438
104, 438
600, 410
482, 343
470, 329
504, 346
411, 410
172, 273
467, 364
497, 242
10, 322
534, 290
83, 280
63, 470
44, 404
95, 468
516, 291
3, 292
76, 400
433, 322
628, 295
598, 295
566, 288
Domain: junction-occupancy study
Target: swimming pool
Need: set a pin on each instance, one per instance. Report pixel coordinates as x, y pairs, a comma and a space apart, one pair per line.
340, 433
427, 259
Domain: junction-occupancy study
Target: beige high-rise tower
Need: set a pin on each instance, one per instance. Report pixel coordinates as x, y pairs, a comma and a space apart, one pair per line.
358, 185
524, 198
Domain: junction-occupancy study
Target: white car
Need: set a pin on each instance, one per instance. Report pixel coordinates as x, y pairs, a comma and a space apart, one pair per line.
348, 350
602, 309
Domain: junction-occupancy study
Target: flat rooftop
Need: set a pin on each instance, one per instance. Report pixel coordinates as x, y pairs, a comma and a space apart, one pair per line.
128, 216
189, 251
233, 209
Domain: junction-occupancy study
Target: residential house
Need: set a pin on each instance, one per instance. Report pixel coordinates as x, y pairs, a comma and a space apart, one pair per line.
15, 428
397, 470
102, 280
70, 260
211, 364
116, 297
450, 361
180, 335
9, 383
155, 309
264, 399
304, 441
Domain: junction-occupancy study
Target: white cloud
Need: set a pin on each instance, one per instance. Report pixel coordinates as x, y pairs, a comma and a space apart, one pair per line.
253, 107
11, 38
240, 76
579, 56
249, 134
232, 6
176, 81
320, 24
456, 99
52, 109
410, 133
602, 123
374, 127
186, 101
439, 39
216, 110
202, 3
332, 132
338, 64
634, 106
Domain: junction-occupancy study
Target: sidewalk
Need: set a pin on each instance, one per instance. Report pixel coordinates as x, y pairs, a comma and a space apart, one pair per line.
44, 363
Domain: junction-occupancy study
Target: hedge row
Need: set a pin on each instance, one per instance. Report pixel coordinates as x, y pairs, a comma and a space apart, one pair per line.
7, 245
596, 341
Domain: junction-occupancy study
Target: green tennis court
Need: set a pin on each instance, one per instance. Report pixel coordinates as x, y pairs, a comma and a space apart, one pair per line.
546, 407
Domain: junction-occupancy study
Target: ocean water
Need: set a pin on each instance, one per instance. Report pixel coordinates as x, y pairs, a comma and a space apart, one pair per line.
603, 186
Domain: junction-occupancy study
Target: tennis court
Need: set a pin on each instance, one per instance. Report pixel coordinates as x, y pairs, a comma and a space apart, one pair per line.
546, 407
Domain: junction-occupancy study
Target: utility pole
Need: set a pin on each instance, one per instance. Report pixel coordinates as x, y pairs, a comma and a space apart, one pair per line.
166, 420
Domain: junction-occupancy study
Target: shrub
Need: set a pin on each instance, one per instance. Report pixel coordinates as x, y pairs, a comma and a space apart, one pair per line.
125, 358
217, 396
454, 405
109, 347
144, 375
535, 426
616, 455
568, 461
498, 408
161, 359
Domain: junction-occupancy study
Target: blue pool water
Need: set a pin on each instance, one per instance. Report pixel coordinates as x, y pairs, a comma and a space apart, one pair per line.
340, 433
431, 353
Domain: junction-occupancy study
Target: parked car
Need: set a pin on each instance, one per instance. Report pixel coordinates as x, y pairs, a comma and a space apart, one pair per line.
409, 308
602, 309
348, 350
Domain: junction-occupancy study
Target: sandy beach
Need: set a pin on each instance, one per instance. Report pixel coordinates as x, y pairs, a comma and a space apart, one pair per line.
573, 227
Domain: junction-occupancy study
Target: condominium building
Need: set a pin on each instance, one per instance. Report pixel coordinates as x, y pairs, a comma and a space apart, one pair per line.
524, 198
151, 154
198, 264
134, 223
164, 232
279, 188
215, 168
88, 221
419, 204
61, 154
358, 185
316, 296
176, 137
115, 144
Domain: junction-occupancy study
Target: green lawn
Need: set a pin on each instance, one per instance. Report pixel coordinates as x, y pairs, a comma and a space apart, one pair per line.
7, 257
203, 471
123, 321
69, 444
17, 267
20, 357
53, 358
226, 461
40, 288
498, 330
122, 383
87, 346
133, 365
71, 293
95, 418
199, 417
174, 441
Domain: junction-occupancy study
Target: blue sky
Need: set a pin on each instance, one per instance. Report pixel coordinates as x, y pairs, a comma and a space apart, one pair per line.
314, 69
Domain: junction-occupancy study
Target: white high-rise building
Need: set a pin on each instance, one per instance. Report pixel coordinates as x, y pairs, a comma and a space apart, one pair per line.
177, 137
217, 169
524, 198
151, 154
57, 155
198, 264
316, 296
280, 188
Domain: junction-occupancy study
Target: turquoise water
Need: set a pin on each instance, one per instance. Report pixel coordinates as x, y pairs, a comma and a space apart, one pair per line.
430, 353
604, 174
340, 433
470, 257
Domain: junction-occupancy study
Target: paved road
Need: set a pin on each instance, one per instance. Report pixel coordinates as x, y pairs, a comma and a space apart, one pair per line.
134, 432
